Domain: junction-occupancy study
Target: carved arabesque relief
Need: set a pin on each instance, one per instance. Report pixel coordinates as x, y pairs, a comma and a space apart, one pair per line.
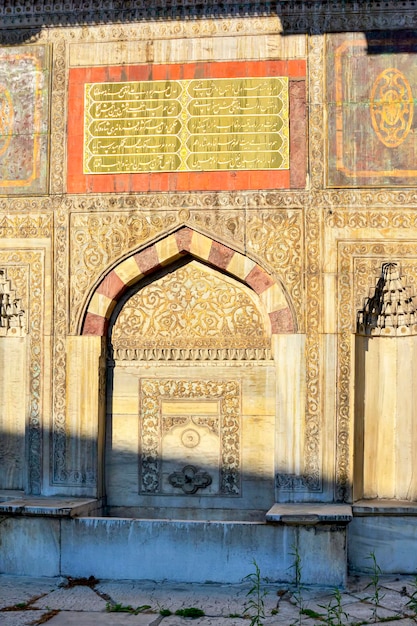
193, 307
278, 237
226, 392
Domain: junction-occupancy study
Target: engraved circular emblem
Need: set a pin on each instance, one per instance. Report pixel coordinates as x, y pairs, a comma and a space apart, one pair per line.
392, 107
6, 118
190, 438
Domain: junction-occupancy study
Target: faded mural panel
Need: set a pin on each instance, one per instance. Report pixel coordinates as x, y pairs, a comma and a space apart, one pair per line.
24, 100
371, 92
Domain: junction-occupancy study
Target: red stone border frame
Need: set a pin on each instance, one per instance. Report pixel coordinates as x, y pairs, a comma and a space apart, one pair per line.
295, 177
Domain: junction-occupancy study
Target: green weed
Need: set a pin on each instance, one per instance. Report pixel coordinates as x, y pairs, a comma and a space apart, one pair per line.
335, 614
192, 611
126, 608
376, 596
255, 606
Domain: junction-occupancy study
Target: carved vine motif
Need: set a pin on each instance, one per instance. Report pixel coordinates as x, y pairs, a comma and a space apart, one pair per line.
277, 237
26, 267
190, 308
311, 480
228, 395
359, 264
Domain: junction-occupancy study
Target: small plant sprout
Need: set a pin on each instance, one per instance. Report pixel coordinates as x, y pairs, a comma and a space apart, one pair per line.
335, 615
255, 606
126, 608
412, 602
376, 596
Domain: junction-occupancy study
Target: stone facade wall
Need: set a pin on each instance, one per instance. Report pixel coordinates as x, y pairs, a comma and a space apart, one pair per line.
305, 235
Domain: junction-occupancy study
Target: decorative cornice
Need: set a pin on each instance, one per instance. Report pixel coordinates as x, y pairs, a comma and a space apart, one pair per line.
311, 16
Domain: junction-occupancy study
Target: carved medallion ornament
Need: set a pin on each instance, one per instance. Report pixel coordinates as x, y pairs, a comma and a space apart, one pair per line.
192, 307
190, 479
224, 425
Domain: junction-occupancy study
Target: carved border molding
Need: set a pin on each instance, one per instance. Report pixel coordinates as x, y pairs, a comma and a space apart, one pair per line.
60, 474
334, 203
345, 218
26, 268
359, 265
313, 237
311, 479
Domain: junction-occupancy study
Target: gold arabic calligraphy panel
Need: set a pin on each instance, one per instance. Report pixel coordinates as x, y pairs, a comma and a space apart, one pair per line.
186, 125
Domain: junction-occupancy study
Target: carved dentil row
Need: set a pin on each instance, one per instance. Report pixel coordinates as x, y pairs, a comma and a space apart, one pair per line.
298, 15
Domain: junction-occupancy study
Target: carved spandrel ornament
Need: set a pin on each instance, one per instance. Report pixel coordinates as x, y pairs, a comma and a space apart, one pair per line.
390, 309
12, 316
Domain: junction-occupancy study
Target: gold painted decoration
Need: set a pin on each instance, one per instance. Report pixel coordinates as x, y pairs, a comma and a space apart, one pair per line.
392, 107
186, 125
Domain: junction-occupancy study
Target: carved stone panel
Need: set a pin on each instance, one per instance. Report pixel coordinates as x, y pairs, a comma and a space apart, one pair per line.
190, 437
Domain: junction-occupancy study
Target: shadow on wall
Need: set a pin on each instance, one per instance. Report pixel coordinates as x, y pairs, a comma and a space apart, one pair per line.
311, 18
167, 487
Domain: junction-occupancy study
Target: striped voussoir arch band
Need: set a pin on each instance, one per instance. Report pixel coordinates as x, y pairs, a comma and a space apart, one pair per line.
183, 242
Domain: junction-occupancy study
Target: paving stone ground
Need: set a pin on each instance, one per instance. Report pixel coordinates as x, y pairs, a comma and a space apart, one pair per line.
69, 602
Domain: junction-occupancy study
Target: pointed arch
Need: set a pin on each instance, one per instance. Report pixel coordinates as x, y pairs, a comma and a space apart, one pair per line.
186, 241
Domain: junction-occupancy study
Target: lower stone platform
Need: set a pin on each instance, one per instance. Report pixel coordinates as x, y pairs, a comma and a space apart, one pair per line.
70, 537
57, 541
